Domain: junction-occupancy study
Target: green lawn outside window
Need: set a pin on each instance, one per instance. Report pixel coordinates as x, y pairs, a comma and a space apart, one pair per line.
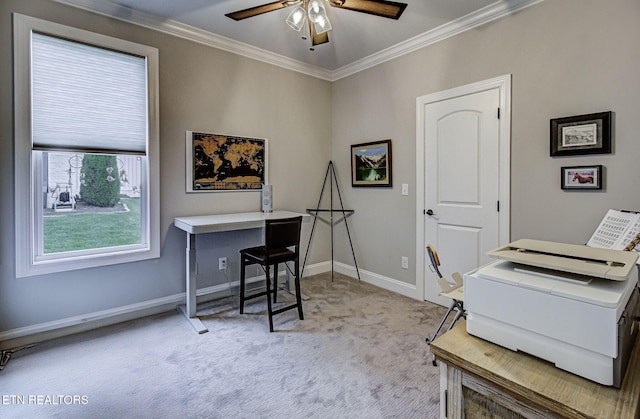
66, 232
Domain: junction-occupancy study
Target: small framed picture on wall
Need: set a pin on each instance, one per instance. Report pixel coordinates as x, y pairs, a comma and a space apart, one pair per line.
582, 134
371, 164
581, 177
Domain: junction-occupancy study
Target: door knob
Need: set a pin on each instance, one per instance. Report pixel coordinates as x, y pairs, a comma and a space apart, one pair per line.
430, 212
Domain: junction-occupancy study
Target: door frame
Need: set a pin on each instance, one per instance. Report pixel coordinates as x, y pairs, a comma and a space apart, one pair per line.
503, 83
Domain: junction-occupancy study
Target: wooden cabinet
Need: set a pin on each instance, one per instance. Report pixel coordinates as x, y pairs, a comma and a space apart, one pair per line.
481, 380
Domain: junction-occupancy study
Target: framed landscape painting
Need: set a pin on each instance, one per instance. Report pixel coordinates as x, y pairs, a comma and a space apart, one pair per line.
371, 164
582, 134
217, 162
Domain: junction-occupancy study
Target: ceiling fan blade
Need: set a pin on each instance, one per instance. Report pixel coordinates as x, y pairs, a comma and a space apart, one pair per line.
258, 10
383, 8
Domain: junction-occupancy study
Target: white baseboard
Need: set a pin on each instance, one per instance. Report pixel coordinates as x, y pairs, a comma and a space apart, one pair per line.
316, 268
381, 281
29, 335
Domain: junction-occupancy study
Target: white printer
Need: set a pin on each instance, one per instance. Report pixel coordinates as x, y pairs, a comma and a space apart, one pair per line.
575, 306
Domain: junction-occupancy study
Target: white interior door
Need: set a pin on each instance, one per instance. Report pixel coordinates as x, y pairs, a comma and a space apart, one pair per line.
462, 182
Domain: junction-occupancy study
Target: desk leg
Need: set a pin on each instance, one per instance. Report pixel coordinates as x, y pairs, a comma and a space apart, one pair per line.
191, 274
288, 286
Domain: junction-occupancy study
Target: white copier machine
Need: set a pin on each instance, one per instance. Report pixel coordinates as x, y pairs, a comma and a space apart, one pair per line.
572, 305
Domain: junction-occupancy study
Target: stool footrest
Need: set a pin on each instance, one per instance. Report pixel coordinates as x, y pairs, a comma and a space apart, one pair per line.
283, 309
260, 294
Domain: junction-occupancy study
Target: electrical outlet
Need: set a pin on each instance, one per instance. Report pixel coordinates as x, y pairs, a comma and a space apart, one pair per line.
405, 262
222, 264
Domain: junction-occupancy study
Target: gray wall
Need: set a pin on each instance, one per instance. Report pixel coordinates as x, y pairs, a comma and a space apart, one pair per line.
202, 89
566, 57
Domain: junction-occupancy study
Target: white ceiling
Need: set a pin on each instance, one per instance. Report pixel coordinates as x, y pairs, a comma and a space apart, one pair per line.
357, 40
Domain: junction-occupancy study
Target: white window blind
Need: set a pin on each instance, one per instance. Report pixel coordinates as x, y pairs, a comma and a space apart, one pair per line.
86, 98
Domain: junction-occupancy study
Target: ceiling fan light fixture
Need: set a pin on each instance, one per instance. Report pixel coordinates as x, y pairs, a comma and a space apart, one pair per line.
322, 25
296, 18
316, 10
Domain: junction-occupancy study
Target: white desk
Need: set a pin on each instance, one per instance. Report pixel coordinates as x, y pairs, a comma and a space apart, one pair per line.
201, 224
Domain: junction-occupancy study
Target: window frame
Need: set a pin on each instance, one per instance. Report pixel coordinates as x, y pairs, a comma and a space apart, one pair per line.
27, 182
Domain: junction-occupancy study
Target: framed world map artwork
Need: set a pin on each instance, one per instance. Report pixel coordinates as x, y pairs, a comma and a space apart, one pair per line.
217, 162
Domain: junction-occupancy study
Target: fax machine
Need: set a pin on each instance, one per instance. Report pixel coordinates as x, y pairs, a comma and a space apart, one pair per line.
575, 306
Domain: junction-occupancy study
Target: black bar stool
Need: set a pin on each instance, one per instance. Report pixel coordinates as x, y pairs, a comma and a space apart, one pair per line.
282, 245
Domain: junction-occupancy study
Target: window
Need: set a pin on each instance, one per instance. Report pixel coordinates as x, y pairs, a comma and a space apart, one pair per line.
86, 149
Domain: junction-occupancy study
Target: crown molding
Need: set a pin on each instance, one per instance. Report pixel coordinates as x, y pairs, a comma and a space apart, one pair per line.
191, 33
480, 17
472, 20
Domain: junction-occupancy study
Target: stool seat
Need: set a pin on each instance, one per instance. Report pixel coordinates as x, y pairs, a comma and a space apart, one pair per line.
282, 245
258, 254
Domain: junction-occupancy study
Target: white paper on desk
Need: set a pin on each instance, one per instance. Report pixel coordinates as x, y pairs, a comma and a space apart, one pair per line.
616, 230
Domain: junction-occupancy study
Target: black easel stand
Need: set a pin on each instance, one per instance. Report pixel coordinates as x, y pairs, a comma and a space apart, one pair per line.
331, 175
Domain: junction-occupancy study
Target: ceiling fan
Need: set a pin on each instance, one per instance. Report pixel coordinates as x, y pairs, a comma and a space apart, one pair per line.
319, 23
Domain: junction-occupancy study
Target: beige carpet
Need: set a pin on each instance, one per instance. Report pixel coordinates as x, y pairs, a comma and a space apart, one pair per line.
359, 353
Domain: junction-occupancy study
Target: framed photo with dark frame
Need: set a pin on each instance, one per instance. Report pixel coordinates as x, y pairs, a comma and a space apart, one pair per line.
581, 177
371, 164
582, 134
